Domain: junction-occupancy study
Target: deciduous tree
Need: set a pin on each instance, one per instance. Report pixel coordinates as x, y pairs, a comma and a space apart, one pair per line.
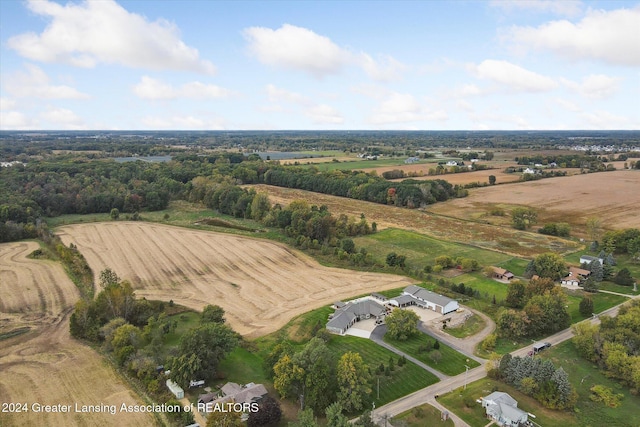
402, 324
353, 381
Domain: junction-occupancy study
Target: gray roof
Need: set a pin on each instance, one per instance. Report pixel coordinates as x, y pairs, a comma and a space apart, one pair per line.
404, 299
499, 396
236, 393
426, 295
343, 317
341, 320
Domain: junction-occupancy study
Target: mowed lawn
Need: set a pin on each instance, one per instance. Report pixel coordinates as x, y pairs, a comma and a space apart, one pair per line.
402, 381
451, 362
474, 414
601, 302
486, 286
583, 375
421, 250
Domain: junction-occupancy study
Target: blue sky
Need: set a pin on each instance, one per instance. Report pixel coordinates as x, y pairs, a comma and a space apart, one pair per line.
235, 65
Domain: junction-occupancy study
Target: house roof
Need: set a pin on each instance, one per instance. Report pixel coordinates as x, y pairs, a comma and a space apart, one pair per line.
499, 396
341, 320
237, 393
231, 388
571, 279
590, 258
426, 295
575, 271
379, 296
511, 412
500, 271
404, 299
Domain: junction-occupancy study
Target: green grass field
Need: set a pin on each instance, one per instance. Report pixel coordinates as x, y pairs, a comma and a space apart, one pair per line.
186, 321
451, 363
583, 375
475, 414
486, 286
364, 164
471, 327
601, 302
242, 366
403, 380
421, 250
422, 416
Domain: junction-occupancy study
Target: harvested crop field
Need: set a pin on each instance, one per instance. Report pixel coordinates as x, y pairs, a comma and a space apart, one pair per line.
442, 226
614, 197
481, 177
260, 284
45, 365
32, 288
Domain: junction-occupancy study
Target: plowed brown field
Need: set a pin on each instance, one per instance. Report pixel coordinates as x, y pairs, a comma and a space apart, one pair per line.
260, 284
45, 365
614, 197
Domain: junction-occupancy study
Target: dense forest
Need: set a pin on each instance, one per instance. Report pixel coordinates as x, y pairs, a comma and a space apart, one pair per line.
54, 186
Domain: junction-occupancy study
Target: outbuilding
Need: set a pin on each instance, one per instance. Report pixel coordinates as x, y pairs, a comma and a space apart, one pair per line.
427, 299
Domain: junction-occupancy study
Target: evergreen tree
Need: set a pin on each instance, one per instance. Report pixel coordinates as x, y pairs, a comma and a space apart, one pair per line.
586, 306
530, 270
597, 272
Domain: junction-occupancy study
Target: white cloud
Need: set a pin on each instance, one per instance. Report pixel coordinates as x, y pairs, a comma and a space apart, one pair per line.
92, 32
15, 120
318, 113
7, 104
568, 105
324, 114
35, 83
513, 76
469, 90
606, 120
62, 118
563, 7
154, 89
299, 48
608, 36
395, 107
594, 86
386, 68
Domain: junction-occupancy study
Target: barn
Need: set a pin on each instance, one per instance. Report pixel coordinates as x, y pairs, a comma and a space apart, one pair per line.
415, 295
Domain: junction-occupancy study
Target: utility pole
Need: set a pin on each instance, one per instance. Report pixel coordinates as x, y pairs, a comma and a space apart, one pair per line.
378, 387
466, 375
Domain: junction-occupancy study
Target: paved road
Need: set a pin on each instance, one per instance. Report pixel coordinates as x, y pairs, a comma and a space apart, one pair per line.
427, 395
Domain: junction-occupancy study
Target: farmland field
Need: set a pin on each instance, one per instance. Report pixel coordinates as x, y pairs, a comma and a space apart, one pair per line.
45, 365
260, 284
611, 196
505, 240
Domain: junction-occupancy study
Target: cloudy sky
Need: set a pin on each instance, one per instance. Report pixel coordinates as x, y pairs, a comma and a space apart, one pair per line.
442, 65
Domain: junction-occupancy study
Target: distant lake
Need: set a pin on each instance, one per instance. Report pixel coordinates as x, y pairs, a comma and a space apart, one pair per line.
281, 155
150, 159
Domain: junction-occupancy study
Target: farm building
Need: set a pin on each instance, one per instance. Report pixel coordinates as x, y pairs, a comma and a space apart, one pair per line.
412, 160
353, 312
177, 391
415, 295
575, 276
232, 392
588, 259
502, 274
503, 409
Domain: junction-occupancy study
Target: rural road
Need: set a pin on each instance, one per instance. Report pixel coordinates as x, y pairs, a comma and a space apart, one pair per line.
427, 395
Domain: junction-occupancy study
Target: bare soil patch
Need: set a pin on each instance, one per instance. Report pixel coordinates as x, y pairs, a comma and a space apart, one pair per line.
260, 284
614, 197
46, 365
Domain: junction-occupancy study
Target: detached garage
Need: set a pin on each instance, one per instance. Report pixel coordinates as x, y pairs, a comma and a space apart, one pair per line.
427, 299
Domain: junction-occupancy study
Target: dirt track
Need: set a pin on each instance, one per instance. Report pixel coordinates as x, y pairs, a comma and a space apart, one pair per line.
260, 284
45, 365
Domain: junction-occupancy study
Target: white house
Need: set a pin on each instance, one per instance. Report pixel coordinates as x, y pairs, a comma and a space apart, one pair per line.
588, 259
452, 163
529, 171
503, 409
415, 295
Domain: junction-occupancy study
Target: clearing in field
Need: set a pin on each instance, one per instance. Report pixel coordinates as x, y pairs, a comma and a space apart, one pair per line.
46, 365
506, 240
614, 197
260, 284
